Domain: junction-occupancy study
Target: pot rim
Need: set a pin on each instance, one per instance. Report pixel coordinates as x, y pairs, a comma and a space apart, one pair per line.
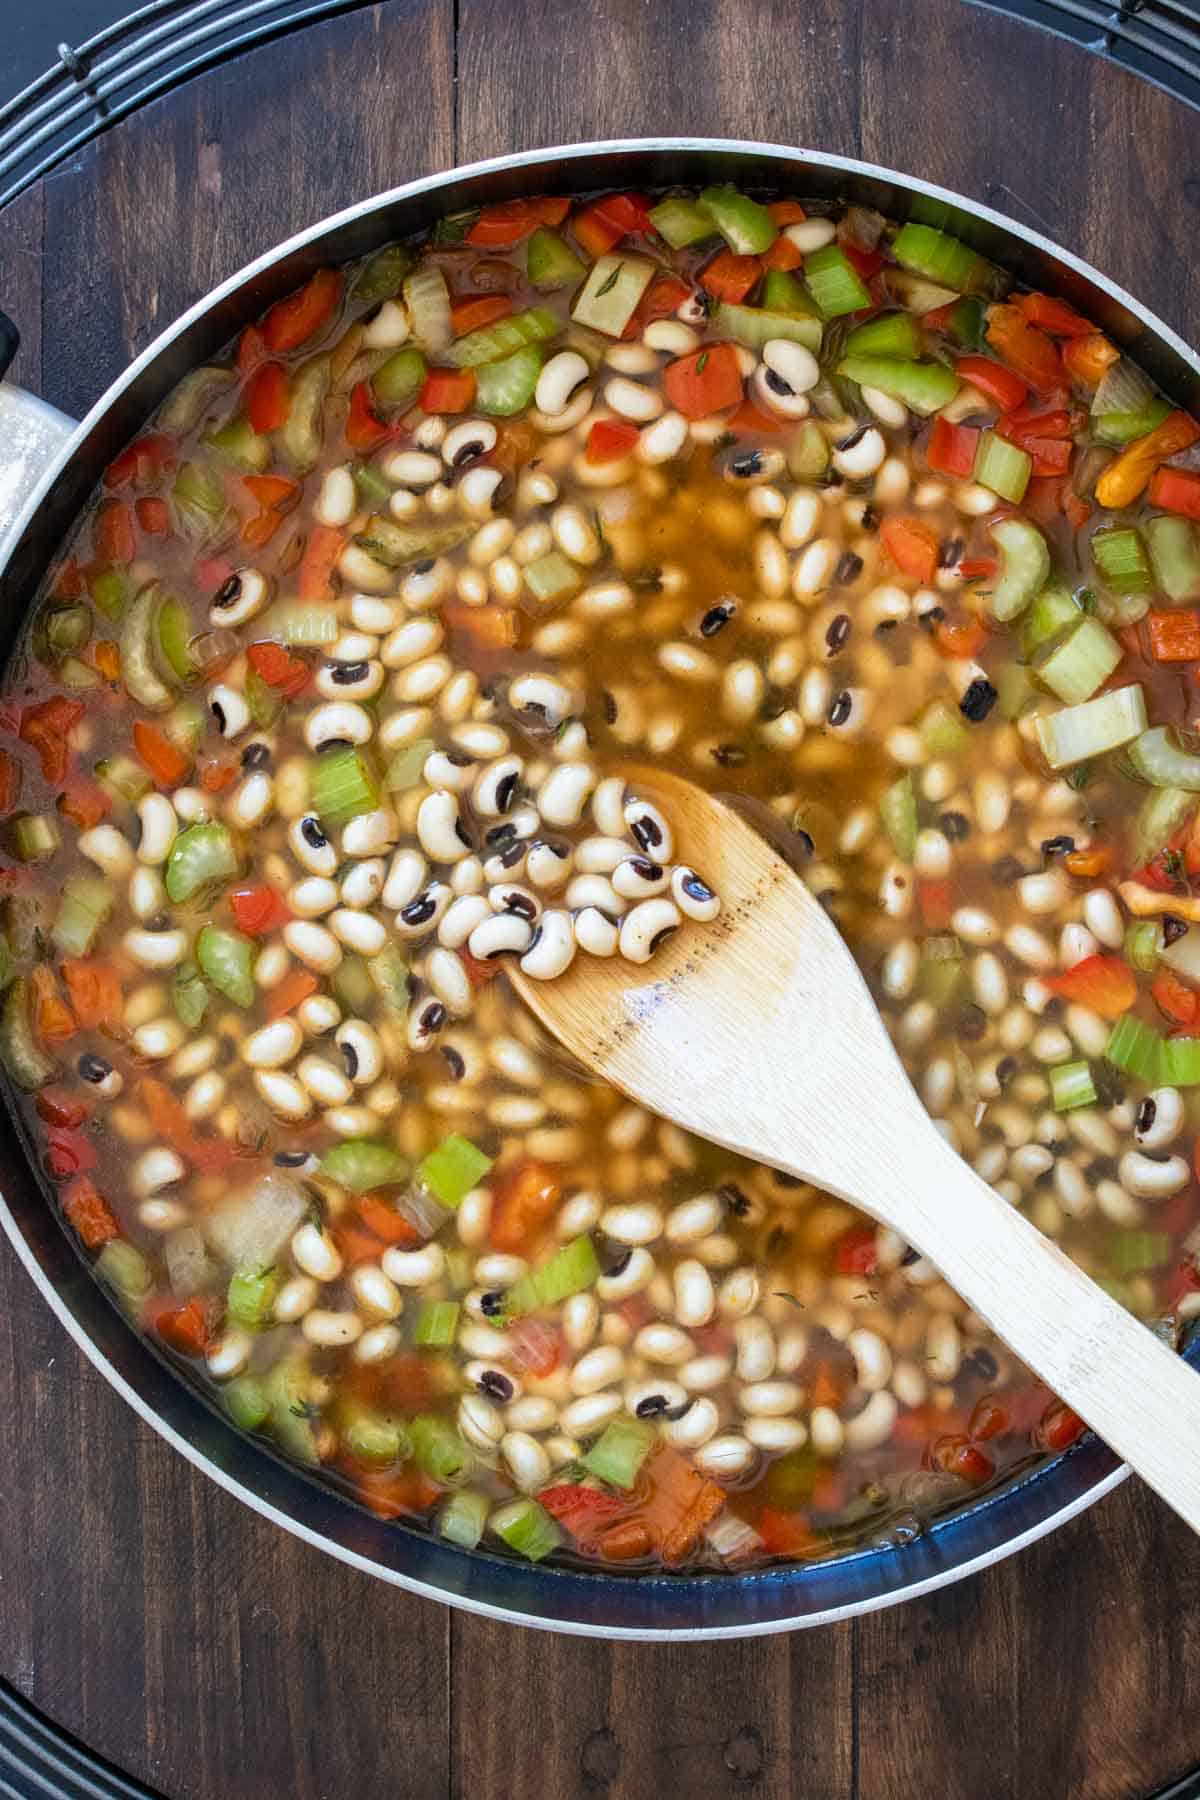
1109, 1473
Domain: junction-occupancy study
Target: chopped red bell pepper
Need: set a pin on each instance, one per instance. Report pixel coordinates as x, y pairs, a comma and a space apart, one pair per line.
1177, 491
959, 638
912, 546
294, 321
113, 536
166, 762
59, 1108
951, 448
288, 674
153, 516
1087, 359
783, 1533
257, 910
959, 1456
89, 1214
535, 1346
595, 233
267, 399
706, 381
1105, 983
1175, 999
1024, 348
501, 226
142, 462
47, 728
69, 1153
730, 277
867, 262
94, 988
1054, 316
1060, 1427
477, 311
251, 350
84, 802
988, 1420
190, 1328
448, 391
10, 783
365, 431
855, 1252
1174, 635
170, 1121
992, 379
935, 903
586, 1512
609, 440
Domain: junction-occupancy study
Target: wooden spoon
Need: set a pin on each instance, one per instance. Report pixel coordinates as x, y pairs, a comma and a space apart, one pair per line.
758, 1032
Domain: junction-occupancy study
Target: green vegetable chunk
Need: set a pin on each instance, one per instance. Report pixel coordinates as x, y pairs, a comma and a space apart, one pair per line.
200, 856
526, 1528
452, 1169
360, 1164
226, 960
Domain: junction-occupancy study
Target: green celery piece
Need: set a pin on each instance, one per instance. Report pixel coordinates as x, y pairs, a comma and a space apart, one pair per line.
76, 674
1134, 1048
407, 767
109, 590
1071, 1085
552, 579
139, 670
505, 337
1143, 942
943, 731
619, 1452
301, 438
1160, 815
1015, 690
438, 1449
246, 1402
1024, 566
184, 725
942, 258
188, 403
125, 780
361, 1164
265, 702
1136, 1252
352, 985
343, 786
891, 334
1174, 546
173, 629
453, 1168
388, 976
397, 382
437, 1323
383, 275
124, 1268
396, 545
463, 1518
309, 623
36, 836
1079, 733
967, 322
835, 284
373, 1439
372, 488
67, 628
747, 227
238, 444
898, 810
198, 501
754, 326
251, 1297
453, 228
680, 222
189, 996
1179, 1063
288, 1388
924, 387
609, 297
526, 1528
1120, 556
1121, 428
87, 901
1156, 758
27, 1063
1080, 663
550, 263
428, 300
201, 855
569, 1271
507, 387
784, 293
1052, 612
808, 452
1003, 467
226, 960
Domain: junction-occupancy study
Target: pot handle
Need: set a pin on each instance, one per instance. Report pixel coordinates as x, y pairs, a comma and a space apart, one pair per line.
31, 436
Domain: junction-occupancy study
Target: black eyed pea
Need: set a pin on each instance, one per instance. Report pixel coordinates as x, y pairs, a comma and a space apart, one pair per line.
693, 1219
360, 680
244, 594
378, 1344
873, 1425
446, 974
646, 927
411, 468
309, 845
424, 912
739, 1293
156, 949
371, 833
324, 1081
695, 1300
580, 1319
639, 878
361, 571
595, 932
331, 1330
480, 1423
540, 693
692, 894
313, 897
449, 769
505, 931
147, 895
205, 1096
662, 440
274, 1045
648, 829
640, 1222
552, 947
1159, 1119
631, 1275
363, 884
155, 1170
361, 1051
725, 1457
354, 646
253, 800
337, 498
467, 876
467, 441
548, 865
776, 1436
631, 400
590, 1414
860, 455
230, 1354
558, 380
108, 848
528, 1463
387, 328
419, 1268
440, 828
284, 1095
425, 1020
374, 616
497, 787
313, 945
886, 408
661, 1342
460, 919
410, 643
374, 1294
407, 875
600, 855
1152, 1177
337, 722
597, 1369
563, 795
496, 1384
230, 713
654, 1397
696, 1424
755, 1349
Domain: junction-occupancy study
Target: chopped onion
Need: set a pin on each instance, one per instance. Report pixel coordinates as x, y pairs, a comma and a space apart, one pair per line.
731, 1537
1123, 388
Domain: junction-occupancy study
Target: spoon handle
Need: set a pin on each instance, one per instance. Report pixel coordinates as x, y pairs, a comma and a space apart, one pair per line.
1110, 1369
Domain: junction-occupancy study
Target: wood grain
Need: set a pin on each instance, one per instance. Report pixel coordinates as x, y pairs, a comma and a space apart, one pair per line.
141, 1607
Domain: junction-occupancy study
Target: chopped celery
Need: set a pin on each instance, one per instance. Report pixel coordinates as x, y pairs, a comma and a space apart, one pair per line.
36, 836
373, 489
619, 1452
552, 579
454, 228
1080, 663
1051, 613
609, 297
439, 1451
387, 976
67, 628
1003, 467
967, 321
890, 334
925, 387
1179, 1062
462, 1519
453, 1168
1174, 545
251, 1297
428, 300
459, 1265
124, 1268
352, 984
173, 632
138, 670
20, 1052
226, 960
942, 730
198, 502
394, 545
309, 623
834, 282
1143, 946
76, 674
184, 725
747, 227
189, 995
1080, 732
941, 970
1025, 564
237, 443
265, 702
288, 1389
1071, 1085
504, 388
361, 1164
343, 786
569, 1271
109, 589
246, 1402
1134, 1049
190, 401
808, 452
374, 1440
383, 275
1161, 814
681, 222
301, 437
940, 257
1183, 955
407, 767
898, 810
397, 382
754, 326
550, 262
526, 1528
437, 1323
124, 779
1015, 690
87, 901
491, 342
1156, 758
1121, 558
784, 293
200, 856
1135, 1252
1121, 428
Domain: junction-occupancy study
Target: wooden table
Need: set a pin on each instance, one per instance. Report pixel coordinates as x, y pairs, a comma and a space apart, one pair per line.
142, 1608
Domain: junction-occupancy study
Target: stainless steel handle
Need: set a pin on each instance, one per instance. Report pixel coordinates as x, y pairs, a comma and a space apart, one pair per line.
31, 436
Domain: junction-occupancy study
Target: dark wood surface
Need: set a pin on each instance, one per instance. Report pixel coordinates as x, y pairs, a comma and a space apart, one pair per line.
141, 1607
